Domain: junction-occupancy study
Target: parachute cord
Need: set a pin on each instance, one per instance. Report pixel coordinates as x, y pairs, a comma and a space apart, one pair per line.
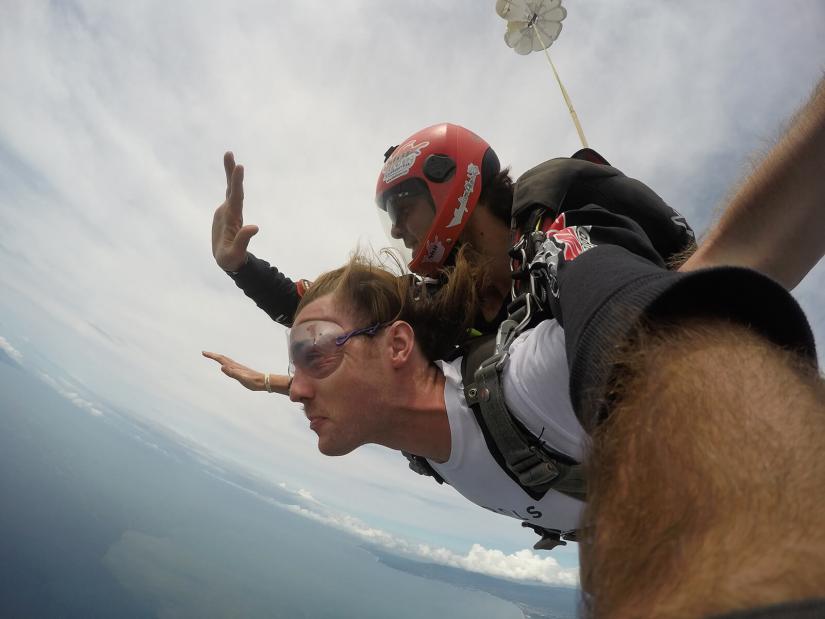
569, 103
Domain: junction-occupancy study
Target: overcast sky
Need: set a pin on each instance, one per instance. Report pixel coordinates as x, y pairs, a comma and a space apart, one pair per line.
114, 118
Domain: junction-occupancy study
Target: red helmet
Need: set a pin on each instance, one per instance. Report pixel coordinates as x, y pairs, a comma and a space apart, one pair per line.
449, 165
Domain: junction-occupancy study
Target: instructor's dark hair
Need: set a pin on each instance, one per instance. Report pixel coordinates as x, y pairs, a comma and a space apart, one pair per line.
497, 195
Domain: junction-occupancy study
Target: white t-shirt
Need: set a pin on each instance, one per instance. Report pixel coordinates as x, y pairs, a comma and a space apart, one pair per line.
535, 384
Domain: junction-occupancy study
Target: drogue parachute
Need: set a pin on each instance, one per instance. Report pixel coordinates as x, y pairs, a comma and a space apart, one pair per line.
532, 26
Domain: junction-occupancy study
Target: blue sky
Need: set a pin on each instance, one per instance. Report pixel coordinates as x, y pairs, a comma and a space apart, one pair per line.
114, 118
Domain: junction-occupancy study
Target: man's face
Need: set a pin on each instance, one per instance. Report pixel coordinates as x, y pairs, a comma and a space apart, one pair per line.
411, 218
341, 407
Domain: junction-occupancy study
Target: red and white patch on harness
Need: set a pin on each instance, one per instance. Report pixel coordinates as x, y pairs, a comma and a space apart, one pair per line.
575, 240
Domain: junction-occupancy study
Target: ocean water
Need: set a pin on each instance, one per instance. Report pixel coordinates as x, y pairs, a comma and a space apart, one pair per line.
101, 517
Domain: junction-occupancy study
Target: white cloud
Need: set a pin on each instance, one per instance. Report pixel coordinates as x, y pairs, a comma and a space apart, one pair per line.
10, 350
306, 494
72, 396
523, 565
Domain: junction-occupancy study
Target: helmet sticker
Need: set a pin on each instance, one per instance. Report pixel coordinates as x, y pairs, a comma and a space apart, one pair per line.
469, 184
402, 159
434, 251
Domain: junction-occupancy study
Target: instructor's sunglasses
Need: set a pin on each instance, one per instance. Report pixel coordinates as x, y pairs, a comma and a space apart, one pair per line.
315, 346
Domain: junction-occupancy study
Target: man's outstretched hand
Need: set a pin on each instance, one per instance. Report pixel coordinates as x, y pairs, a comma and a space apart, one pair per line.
230, 237
249, 378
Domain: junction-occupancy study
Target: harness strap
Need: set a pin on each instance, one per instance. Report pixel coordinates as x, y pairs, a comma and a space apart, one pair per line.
536, 467
527, 237
422, 467
521, 458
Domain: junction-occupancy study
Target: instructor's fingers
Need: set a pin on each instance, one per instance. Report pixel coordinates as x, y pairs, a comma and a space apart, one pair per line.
244, 234
228, 167
234, 199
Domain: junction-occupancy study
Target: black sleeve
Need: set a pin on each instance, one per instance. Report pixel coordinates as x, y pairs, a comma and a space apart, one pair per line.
605, 277
565, 185
667, 229
271, 290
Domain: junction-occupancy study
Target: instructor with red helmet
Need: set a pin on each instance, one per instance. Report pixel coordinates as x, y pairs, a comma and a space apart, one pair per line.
444, 186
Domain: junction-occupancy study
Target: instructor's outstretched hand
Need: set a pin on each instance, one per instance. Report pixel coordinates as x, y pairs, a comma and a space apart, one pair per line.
230, 237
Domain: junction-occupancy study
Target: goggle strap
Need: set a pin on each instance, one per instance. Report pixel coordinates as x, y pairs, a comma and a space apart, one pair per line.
372, 330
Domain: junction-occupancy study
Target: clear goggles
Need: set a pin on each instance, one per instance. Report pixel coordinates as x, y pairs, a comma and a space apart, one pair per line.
315, 346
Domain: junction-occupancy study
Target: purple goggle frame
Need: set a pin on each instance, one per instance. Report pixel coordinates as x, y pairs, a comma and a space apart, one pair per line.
315, 346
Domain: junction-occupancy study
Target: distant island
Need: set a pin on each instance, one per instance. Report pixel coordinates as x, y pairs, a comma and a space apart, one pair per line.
534, 601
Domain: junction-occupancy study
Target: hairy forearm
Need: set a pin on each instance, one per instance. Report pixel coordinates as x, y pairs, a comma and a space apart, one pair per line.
709, 458
775, 222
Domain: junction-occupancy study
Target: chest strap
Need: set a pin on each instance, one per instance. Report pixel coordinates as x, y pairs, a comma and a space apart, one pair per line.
532, 464
528, 461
